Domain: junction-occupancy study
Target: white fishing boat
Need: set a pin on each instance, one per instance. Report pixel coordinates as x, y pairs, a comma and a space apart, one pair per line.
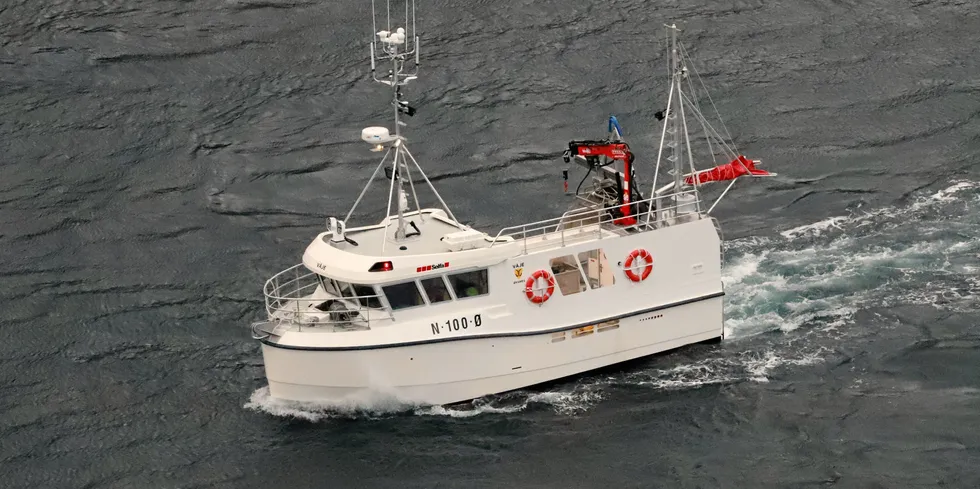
424, 309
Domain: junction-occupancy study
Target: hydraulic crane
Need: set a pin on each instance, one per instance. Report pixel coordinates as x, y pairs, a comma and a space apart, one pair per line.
591, 151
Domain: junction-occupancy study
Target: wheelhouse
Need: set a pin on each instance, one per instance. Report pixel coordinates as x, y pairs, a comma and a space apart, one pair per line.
299, 296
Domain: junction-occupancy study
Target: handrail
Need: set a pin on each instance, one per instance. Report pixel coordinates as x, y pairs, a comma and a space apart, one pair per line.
292, 297
579, 217
259, 336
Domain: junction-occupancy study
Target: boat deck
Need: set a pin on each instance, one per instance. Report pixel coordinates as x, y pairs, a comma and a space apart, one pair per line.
565, 237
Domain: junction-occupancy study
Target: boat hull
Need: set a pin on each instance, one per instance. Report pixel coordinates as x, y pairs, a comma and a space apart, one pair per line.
475, 366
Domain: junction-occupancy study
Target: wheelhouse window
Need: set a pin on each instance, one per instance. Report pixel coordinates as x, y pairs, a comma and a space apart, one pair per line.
469, 284
403, 295
364, 295
436, 290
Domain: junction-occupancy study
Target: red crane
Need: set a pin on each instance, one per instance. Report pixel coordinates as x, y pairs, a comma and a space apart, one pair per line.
614, 150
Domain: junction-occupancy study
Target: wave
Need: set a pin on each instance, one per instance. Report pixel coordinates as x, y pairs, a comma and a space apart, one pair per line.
821, 274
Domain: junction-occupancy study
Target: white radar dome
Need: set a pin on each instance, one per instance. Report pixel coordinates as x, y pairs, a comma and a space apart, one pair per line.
376, 135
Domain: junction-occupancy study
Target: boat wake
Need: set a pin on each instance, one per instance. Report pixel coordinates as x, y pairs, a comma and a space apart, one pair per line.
819, 275
565, 399
810, 281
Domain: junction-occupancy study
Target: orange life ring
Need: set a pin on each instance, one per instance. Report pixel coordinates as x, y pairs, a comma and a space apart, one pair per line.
639, 253
533, 295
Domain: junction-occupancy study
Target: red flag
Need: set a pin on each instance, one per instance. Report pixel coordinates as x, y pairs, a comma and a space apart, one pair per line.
736, 168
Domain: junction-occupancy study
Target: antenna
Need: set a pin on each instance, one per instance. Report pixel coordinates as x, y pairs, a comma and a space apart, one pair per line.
397, 46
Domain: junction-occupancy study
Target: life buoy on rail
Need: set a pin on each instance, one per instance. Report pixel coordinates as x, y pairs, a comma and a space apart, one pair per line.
631, 270
537, 295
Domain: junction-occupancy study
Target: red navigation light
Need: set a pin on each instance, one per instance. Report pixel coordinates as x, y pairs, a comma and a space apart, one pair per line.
382, 266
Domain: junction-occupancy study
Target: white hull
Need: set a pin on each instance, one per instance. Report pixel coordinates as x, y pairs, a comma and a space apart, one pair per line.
471, 367
505, 342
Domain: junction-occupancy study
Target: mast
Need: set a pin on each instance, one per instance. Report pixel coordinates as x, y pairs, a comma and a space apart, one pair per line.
677, 197
686, 198
397, 47
675, 71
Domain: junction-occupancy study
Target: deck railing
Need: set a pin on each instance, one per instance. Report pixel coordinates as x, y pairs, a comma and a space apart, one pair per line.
290, 298
590, 220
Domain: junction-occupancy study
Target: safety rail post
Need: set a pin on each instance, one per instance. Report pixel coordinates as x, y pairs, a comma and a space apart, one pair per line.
265, 290
598, 227
299, 320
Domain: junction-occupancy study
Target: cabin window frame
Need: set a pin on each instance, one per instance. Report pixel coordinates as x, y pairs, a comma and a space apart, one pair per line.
337, 291
452, 289
445, 284
418, 289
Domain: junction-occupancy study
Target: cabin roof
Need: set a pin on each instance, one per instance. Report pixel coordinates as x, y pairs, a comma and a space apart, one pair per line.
428, 231
441, 246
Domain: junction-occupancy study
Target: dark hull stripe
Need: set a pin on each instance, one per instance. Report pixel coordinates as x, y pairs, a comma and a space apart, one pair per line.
492, 335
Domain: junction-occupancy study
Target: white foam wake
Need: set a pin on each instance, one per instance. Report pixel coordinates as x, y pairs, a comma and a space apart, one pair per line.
578, 399
819, 275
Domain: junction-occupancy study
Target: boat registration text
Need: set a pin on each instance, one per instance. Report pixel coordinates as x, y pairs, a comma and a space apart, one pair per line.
457, 324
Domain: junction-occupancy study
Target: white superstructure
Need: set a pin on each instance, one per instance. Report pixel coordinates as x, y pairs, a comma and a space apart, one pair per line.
424, 309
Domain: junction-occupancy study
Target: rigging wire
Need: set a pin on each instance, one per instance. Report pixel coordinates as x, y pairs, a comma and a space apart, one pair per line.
697, 103
720, 119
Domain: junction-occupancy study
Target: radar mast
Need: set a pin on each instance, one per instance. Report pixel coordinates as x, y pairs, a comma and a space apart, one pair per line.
395, 44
